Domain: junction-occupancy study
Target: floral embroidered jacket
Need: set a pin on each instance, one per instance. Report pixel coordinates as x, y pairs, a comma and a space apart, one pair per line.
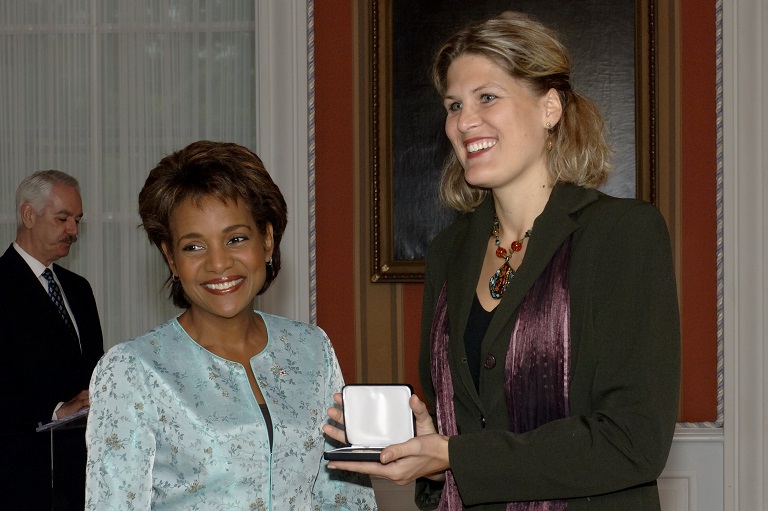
174, 427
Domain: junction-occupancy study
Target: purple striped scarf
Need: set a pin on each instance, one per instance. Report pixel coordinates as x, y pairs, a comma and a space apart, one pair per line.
537, 368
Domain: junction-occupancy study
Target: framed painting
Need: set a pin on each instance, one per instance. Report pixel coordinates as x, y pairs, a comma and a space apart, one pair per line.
613, 49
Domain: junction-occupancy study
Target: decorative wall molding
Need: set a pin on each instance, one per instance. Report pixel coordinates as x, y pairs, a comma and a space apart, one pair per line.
693, 477
744, 97
283, 143
677, 491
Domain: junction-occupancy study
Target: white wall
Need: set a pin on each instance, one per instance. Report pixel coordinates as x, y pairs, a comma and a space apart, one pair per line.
283, 140
745, 264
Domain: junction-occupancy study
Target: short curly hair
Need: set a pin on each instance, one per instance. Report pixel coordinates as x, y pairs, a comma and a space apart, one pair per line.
203, 169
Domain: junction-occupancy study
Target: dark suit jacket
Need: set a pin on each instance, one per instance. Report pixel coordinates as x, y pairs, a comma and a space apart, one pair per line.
40, 367
625, 359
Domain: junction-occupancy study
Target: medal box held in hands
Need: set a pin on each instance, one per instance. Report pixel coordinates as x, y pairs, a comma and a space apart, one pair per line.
375, 416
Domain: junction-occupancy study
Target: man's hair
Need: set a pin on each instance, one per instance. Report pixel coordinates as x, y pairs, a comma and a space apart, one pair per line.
36, 188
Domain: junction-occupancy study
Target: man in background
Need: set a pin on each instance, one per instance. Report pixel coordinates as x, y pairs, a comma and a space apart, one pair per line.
51, 339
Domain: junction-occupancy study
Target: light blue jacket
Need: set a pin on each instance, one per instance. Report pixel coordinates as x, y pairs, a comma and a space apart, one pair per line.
174, 427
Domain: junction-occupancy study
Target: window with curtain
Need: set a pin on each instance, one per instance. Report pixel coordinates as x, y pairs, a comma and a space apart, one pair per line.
103, 89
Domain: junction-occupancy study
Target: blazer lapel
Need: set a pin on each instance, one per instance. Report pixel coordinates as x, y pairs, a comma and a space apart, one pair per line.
38, 304
464, 268
549, 232
463, 272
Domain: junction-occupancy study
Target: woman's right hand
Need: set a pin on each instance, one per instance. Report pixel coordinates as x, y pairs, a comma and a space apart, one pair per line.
337, 416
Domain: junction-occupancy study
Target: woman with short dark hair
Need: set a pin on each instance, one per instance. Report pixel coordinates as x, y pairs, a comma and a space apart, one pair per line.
220, 407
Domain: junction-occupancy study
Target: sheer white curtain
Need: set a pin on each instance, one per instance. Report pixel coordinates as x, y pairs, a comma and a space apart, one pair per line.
102, 89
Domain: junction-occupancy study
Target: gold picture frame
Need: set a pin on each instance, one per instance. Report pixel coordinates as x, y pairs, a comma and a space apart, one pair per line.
382, 120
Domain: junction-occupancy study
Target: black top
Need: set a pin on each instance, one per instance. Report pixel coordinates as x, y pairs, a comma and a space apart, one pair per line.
268, 420
477, 324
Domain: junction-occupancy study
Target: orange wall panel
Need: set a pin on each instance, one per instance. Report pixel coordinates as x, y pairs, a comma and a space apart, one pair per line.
334, 177
699, 231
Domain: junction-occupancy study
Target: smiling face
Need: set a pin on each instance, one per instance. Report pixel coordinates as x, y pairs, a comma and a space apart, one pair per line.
48, 234
496, 125
219, 255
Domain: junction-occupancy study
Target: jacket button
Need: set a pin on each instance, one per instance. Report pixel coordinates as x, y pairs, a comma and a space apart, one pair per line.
490, 362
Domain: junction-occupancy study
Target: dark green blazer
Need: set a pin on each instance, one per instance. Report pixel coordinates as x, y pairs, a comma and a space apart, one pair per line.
625, 359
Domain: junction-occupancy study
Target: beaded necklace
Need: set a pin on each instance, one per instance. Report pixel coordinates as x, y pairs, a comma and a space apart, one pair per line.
500, 280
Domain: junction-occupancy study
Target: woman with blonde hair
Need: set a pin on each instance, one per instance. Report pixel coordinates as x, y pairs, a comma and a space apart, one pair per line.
550, 330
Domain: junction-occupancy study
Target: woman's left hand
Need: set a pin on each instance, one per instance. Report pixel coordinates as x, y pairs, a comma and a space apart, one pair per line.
425, 455
421, 456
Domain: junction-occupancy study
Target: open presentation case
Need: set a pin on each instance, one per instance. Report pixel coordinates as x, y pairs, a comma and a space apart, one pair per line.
375, 416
